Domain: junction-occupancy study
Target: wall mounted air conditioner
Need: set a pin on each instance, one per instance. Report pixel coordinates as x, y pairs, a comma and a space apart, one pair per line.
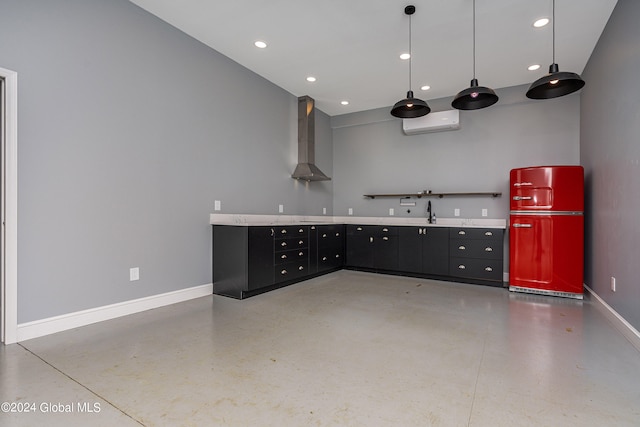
433, 122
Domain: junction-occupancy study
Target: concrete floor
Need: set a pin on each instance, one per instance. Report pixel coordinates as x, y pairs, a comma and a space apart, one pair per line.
346, 349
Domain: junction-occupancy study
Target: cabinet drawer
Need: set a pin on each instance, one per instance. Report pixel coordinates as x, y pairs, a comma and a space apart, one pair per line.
291, 270
291, 243
372, 230
291, 230
484, 269
476, 233
282, 257
468, 248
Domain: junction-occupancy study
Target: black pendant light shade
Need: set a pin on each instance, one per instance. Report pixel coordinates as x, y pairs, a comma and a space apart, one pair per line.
474, 97
410, 107
555, 84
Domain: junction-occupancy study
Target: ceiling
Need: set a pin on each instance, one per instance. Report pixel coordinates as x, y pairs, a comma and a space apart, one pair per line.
352, 47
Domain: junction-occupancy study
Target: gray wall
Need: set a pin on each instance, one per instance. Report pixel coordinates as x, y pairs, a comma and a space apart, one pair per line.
128, 132
610, 153
371, 154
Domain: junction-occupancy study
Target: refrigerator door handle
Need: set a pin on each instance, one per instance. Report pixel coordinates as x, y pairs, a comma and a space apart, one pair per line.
518, 225
516, 198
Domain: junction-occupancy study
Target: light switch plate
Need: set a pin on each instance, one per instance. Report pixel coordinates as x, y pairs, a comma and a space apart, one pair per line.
485, 212
391, 212
280, 208
456, 212
216, 205
134, 274
350, 211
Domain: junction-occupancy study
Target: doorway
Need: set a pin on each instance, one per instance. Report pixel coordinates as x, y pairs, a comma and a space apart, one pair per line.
8, 206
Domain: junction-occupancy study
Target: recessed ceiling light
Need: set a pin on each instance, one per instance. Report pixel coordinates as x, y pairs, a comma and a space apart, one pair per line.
311, 79
344, 102
405, 56
425, 87
533, 67
260, 44
541, 22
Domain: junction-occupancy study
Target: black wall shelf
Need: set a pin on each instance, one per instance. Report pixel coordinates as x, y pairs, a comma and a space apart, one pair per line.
431, 194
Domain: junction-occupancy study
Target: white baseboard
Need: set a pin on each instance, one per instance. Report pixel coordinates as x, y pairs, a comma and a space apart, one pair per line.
51, 325
618, 321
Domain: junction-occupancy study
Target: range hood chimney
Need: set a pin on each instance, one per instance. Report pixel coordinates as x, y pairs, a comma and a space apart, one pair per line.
306, 170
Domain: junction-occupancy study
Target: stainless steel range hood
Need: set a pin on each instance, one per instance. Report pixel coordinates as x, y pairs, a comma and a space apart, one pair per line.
306, 170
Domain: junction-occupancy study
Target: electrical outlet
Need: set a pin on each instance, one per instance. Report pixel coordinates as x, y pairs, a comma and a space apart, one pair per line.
280, 208
324, 211
134, 274
216, 205
613, 284
485, 212
350, 211
391, 212
456, 212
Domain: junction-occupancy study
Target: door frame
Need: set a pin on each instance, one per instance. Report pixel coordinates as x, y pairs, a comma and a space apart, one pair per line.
9, 215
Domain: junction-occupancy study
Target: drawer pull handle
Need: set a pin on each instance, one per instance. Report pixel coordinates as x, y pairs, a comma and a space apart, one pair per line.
301, 268
300, 242
461, 267
300, 253
488, 269
359, 228
283, 231
337, 255
519, 225
462, 248
488, 249
301, 230
283, 244
283, 257
419, 230
385, 230
385, 238
313, 227
283, 272
462, 232
337, 234
488, 233
324, 235
324, 258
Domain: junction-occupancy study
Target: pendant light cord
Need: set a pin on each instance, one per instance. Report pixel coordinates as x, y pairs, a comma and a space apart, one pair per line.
410, 53
474, 39
553, 17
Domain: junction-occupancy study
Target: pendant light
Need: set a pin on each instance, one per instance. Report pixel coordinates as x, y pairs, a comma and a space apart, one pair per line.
474, 97
410, 107
556, 83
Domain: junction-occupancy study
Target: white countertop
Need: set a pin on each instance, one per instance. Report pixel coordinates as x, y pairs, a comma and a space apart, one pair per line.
257, 220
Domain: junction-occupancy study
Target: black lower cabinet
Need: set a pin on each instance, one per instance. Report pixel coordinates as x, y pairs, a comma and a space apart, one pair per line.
248, 260
424, 250
330, 247
243, 259
371, 247
477, 254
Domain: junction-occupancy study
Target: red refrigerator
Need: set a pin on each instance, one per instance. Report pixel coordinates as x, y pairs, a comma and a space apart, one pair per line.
546, 230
